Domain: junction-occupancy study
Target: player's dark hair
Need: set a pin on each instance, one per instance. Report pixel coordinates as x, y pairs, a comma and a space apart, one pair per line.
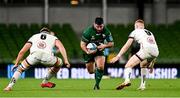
45, 29
99, 20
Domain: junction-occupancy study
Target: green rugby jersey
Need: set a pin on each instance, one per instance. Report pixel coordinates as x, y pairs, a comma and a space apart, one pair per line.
91, 36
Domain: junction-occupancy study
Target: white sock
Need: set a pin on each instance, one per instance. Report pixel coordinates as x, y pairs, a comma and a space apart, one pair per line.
127, 74
143, 76
48, 77
15, 77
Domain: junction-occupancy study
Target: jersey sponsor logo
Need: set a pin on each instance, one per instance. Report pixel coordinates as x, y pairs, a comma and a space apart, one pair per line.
150, 40
41, 44
92, 38
103, 35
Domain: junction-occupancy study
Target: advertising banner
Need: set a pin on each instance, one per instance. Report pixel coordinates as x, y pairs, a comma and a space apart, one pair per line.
78, 71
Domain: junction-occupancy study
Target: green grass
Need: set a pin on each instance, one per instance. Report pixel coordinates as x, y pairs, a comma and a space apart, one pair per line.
30, 87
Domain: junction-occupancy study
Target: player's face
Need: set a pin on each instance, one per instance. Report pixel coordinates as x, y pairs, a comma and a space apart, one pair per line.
98, 28
139, 25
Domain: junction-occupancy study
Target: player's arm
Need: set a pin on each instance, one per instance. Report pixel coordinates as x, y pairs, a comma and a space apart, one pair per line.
21, 53
85, 40
83, 46
109, 40
123, 50
125, 47
62, 50
107, 45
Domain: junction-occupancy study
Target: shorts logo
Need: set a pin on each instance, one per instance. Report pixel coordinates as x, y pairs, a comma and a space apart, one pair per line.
41, 44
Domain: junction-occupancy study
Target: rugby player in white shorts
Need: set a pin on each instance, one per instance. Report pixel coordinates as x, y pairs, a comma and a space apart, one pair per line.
146, 56
40, 46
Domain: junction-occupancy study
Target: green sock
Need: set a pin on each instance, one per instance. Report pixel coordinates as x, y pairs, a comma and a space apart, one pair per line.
98, 75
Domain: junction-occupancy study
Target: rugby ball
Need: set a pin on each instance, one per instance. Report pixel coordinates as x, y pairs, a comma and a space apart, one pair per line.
91, 47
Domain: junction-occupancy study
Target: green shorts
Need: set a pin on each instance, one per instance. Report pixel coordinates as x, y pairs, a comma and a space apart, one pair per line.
90, 57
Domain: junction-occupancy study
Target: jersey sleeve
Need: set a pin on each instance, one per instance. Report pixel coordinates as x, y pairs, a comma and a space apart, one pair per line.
30, 39
132, 34
109, 37
85, 36
55, 38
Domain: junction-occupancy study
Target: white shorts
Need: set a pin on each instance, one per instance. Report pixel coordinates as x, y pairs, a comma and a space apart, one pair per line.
147, 53
39, 57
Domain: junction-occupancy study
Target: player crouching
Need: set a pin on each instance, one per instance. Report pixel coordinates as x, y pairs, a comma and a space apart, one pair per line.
40, 46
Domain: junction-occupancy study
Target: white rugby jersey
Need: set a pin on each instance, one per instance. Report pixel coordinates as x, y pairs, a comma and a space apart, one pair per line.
42, 42
144, 37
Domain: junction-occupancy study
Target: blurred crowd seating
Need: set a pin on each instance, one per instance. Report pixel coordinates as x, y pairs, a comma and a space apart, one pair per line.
14, 36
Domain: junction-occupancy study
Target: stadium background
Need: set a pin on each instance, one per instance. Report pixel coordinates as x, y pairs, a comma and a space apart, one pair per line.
19, 19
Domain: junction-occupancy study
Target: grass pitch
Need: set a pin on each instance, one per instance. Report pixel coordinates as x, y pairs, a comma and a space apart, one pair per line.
30, 87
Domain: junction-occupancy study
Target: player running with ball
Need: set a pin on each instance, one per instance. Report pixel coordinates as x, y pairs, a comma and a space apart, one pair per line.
146, 56
98, 34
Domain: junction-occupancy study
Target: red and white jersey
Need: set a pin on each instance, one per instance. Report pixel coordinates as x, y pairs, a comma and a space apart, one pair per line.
144, 37
42, 42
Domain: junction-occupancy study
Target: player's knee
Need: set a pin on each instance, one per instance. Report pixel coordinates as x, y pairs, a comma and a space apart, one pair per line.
20, 69
54, 69
144, 66
91, 72
128, 66
59, 62
101, 67
24, 66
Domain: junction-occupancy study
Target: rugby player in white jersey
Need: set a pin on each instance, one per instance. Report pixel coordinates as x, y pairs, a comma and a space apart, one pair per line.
146, 56
40, 46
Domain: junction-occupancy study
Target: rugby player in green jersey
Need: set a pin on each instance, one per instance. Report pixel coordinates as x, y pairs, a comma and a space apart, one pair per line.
95, 60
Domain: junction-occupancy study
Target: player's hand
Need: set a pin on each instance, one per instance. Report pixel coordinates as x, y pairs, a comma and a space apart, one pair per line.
14, 67
67, 64
151, 65
150, 70
113, 60
101, 47
91, 51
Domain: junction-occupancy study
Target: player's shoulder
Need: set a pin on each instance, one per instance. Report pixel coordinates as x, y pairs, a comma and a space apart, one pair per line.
45, 34
88, 29
139, 30
106, 29
147, 30
135, 32
52, 36
34, 35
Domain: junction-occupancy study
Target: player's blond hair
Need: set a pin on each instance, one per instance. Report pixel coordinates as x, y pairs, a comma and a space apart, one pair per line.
139, 21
